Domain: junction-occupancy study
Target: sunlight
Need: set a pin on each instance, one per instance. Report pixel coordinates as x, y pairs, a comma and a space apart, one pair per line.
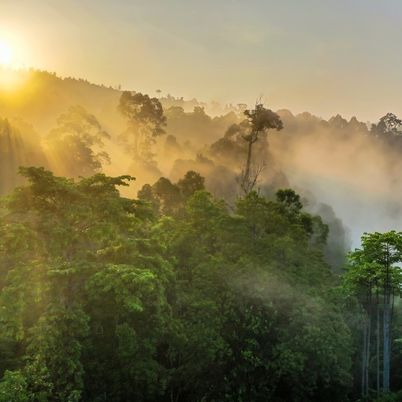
6, 54
9, 80
14, 83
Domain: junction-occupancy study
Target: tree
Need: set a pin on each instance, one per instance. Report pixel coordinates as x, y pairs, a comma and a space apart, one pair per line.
167, 198
290, 199
389, 124
103, 298
14, 388
75, 145
76, 242
242, 275
168, 194
147, 194
146, 122
260, 120
373, 274
190, 183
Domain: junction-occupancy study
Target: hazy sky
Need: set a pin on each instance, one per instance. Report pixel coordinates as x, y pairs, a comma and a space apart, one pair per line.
324, 56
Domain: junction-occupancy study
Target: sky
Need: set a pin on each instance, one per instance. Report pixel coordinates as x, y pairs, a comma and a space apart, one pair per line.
321, 56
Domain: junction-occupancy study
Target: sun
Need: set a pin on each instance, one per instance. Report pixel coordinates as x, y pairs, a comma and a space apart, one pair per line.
6, 54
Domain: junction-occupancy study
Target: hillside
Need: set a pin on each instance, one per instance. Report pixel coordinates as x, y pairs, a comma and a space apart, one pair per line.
311, 154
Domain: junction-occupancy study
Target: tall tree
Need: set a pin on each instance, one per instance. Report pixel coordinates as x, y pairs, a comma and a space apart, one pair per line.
146, 121
260, 120
389, 124
75, 146
375, 277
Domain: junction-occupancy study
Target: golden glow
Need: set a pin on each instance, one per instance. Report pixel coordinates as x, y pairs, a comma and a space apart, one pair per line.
6, 54
13, 83
10, 80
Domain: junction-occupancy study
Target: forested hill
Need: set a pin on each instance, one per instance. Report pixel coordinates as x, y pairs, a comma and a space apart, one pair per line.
43, 96
152, 252
39, 97
313, 155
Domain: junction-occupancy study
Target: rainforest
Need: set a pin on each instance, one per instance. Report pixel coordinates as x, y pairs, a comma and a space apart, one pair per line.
159, 245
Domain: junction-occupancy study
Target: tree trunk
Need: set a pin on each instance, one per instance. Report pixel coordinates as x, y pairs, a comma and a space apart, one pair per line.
246, 180
386, 325
386, 347
248, 162
368, 349
364, 356
378, 346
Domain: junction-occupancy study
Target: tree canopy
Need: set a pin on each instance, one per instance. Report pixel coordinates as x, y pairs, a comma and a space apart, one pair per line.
171, 296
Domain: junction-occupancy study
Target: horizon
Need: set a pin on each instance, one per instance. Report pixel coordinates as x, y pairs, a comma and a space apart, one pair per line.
176, 96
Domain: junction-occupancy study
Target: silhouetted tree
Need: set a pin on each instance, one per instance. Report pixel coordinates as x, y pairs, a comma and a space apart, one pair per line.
260, 120
146, 121
389, 124
75, 145
191, 183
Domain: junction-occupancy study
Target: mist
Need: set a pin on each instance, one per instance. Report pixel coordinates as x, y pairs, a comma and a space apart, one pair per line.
337, 162
345, 166
186, 231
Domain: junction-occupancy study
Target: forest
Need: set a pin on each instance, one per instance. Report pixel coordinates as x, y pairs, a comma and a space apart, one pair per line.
154, 248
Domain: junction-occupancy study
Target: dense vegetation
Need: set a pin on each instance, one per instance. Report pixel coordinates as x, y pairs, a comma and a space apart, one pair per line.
215, 282
110, 299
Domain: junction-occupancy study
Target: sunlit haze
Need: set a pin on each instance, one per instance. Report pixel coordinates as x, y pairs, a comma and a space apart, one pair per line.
6, 55
322, 56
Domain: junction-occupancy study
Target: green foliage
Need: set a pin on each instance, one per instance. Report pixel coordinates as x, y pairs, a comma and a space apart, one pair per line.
190, 183
374, 278
390, 397
251, 268
166, 198
14, 388
173, 296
